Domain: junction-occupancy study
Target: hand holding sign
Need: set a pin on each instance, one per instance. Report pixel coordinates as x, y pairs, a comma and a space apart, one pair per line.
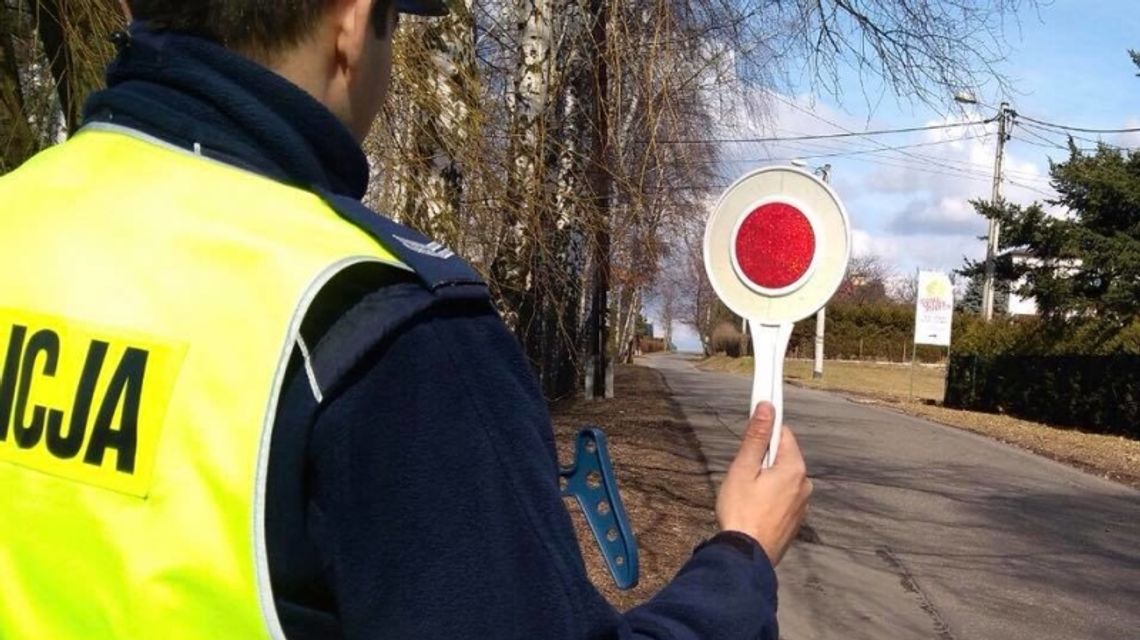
768, 505
776, 248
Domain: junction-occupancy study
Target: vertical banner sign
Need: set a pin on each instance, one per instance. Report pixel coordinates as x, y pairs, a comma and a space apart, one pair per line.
934, 309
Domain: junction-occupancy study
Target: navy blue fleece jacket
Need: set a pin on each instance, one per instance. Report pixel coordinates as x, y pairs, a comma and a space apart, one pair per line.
418, 498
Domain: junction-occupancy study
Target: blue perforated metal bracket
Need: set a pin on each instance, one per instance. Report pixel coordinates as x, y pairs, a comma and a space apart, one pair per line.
590, 480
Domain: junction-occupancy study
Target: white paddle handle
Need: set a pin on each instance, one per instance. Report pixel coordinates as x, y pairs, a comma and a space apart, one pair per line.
770, 343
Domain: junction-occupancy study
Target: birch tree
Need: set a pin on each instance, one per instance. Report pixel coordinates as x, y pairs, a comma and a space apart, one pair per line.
434, 116
565, 301
528, 104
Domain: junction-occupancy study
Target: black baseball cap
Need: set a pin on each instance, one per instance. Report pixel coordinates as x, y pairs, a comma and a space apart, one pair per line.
422, 7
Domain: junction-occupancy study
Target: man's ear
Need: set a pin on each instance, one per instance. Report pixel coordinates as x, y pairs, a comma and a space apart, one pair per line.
126, 9
352, 22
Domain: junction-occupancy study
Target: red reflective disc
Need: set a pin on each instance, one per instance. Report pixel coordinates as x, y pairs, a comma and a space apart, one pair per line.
775, 245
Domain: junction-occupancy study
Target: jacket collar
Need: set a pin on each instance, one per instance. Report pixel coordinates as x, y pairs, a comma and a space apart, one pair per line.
200, 96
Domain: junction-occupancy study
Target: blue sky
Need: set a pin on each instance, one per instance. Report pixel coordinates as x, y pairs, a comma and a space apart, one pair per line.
1068, 64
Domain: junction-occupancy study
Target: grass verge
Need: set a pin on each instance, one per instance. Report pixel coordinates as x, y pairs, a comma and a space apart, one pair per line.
1113, 457
879, 380
662, 475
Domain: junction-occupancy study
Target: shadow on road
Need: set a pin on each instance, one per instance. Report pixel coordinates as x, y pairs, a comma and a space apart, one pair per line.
923, 531
981, 546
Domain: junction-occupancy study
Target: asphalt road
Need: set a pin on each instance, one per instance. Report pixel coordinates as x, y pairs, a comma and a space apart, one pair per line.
923, 531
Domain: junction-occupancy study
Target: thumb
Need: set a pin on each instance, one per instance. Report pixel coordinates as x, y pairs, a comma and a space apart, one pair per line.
754, 443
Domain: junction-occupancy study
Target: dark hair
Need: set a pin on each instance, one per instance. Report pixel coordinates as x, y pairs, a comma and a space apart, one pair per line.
259, 27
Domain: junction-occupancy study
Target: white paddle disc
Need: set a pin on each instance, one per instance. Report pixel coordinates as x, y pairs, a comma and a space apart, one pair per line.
776, 249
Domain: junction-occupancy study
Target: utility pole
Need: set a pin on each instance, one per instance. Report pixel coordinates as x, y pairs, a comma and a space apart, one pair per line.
824, 173
1004, 113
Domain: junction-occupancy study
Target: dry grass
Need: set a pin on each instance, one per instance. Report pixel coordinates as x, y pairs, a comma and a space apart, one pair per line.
880, 380
662, 475
874, 379
1113, 457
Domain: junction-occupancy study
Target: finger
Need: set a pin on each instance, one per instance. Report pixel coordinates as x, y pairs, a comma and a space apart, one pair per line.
789, 454
754, 443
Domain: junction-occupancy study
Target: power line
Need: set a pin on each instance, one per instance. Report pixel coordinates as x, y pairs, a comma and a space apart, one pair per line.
1072, 128
814, 155
1030, 188
826, 136
940, 164
923, 163
1064, 127
926, 164
903, 163
1052, 146
1044, 142
874, 146
935, 166
891, 161
1027, 126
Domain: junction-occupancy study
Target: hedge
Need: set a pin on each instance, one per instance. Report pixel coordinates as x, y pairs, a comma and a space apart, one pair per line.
1096, 392
880, 332
1081, 372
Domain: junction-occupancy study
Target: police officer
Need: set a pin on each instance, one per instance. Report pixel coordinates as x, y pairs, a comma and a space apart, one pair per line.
235, 403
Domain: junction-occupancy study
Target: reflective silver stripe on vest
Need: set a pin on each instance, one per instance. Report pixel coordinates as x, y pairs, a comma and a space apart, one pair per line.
260, 551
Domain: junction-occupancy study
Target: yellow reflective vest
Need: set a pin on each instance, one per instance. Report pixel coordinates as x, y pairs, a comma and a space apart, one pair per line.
149, 302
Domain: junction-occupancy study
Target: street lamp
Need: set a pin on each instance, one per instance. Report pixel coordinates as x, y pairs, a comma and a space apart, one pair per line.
824, 174
965, 97
1005, 121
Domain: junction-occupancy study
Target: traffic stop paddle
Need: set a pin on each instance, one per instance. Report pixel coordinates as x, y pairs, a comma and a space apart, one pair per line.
776, 249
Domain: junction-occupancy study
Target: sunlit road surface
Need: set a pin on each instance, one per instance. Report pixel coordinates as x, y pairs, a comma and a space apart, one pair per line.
923, 531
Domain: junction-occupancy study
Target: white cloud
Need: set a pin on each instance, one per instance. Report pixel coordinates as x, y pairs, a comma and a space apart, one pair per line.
1130, 139
938, 215
905, 253
866, 243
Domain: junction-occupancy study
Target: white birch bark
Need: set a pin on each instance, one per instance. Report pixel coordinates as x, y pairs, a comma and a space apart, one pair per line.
452, 82
527, 108
571, 208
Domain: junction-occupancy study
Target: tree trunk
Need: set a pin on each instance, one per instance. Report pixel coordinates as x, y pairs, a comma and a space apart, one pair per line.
50, 20
562, 316
513, 270
450, 121
16, 137
602, 188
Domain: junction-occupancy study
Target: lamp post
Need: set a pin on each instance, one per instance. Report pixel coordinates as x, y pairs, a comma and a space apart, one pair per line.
1004, 120
824, 174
